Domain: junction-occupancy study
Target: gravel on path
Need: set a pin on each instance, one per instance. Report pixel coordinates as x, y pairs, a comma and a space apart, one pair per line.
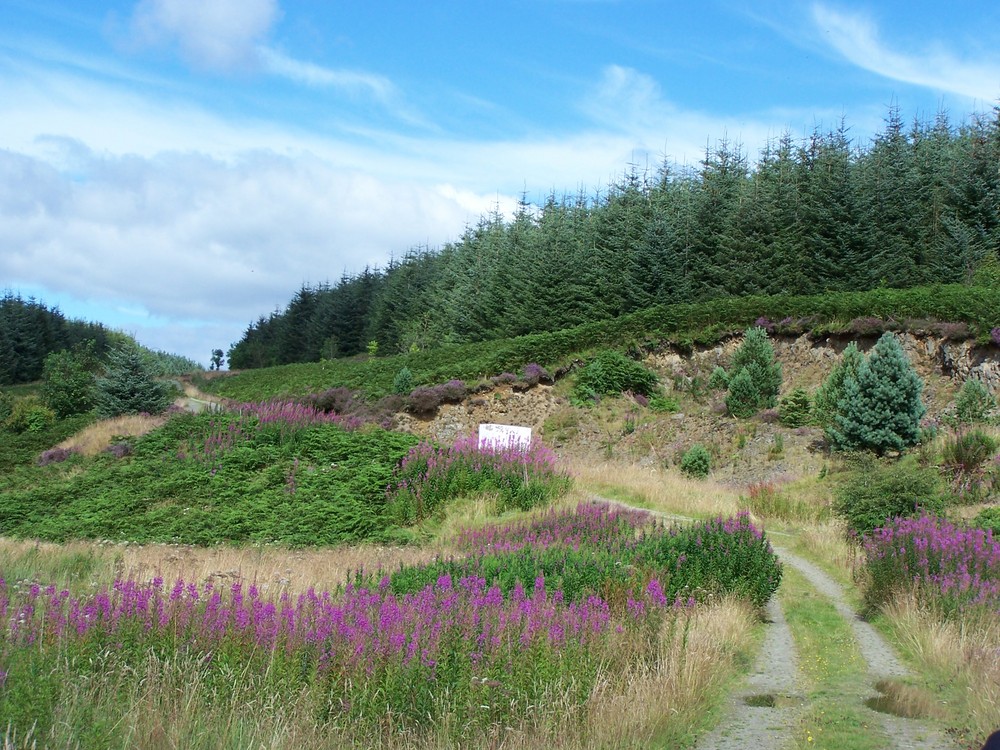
753, 721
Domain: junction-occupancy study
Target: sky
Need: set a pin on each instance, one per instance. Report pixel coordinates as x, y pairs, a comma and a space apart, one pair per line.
178, 168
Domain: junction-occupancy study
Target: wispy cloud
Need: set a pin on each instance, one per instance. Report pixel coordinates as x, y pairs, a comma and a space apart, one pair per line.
856, 37
317, 76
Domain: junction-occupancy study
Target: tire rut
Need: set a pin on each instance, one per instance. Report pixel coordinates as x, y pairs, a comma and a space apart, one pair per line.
902, 733
763, 713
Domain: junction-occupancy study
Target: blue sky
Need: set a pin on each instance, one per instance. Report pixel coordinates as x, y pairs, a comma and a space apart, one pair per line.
176, 168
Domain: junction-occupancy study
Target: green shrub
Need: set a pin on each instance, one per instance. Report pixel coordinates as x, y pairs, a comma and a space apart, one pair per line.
28, 415
974, 403
696, 461
964, 460
663, 404
403, 382
610, 373
988, 519
795, 409
877, 491
719, 379
6, 407
881, 408
68, 381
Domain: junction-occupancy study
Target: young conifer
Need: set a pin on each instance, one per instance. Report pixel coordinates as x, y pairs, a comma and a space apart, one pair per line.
753, 362
881, 408
829, 394
128, 387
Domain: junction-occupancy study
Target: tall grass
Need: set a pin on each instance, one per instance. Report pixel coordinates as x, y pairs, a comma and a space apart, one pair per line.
457, 661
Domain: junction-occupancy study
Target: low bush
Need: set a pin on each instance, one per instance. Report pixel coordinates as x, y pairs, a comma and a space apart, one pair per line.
663, 404
988, 519
719, 380
534, 374
28, 415
966, 461
795, 409
876, 492
55, 456
6, 407
696, 462
974, 403
610, 373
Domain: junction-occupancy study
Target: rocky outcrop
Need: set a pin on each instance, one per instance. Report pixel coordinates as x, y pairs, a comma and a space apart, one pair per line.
943, 364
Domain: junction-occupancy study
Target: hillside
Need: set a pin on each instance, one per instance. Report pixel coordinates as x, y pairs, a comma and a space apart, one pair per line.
914, 206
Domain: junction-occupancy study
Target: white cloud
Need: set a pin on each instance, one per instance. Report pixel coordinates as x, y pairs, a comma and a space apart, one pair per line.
317, 76
188, 237
213, 34
857, 38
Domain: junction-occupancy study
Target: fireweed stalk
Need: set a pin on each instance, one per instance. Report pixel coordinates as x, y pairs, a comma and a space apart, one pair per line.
453, 646
949, 567
460, 646
429, 476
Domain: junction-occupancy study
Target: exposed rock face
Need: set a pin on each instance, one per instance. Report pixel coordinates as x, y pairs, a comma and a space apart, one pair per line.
503, 406
943, 364
802, 357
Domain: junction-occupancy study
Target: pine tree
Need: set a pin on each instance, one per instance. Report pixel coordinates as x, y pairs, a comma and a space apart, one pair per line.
825, 404
754, 362
128, 387
881, 408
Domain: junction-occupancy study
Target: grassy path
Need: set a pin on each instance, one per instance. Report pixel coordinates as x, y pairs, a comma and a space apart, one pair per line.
820, 674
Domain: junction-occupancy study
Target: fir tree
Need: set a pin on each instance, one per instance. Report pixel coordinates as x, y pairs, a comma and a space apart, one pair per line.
754, 362
880, 409
829, 394
128, 387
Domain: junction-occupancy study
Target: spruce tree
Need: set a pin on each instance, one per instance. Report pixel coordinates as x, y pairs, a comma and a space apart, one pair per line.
829, 394
128, 386
881, 408
755, 360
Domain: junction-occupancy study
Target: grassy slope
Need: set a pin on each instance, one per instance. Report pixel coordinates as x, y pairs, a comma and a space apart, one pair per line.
978, 307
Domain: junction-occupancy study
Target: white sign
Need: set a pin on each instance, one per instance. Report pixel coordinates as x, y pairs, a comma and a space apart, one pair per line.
504, 436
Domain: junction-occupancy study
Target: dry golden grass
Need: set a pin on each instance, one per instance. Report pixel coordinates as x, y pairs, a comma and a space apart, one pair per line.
827, 543
663, 490
964, 654
294, 570
94, 438
667, 697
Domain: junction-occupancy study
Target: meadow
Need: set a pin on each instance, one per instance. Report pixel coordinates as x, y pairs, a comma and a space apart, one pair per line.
442, 660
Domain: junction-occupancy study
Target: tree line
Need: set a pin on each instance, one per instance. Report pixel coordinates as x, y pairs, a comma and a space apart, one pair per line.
30, 331
918, 204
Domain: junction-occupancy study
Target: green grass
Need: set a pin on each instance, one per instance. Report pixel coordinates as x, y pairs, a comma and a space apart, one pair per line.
835, 717
684, 325
316, 485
